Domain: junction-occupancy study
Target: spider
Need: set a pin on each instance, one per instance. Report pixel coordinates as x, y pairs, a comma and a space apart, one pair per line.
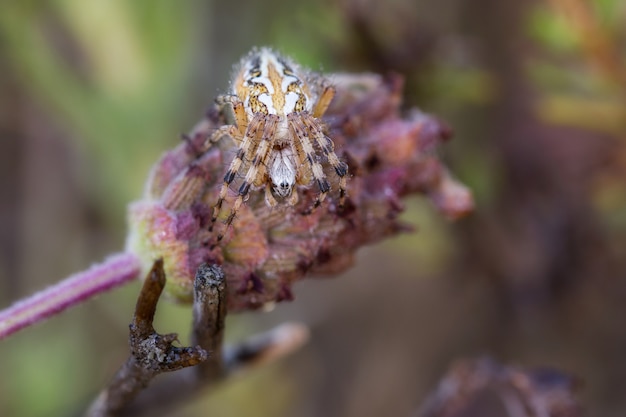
277, 129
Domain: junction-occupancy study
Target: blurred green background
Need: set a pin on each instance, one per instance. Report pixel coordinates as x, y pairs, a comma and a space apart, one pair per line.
91, 92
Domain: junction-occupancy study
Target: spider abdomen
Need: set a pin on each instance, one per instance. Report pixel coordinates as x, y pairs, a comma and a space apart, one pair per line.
283, 171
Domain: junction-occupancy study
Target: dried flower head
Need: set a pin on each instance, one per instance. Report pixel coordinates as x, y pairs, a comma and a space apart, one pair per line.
389, 156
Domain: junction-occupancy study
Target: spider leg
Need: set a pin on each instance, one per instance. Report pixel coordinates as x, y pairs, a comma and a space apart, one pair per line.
302, 135
293, 198
304, 174
226, 130
246, 147
303, 171
324, 101
237, 131
269, 198
236, 105
328, 147
265, 145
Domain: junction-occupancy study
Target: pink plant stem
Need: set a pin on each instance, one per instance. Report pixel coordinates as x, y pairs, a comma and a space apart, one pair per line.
114, 271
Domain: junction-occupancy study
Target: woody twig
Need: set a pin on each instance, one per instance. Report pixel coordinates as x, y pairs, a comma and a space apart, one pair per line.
152, 354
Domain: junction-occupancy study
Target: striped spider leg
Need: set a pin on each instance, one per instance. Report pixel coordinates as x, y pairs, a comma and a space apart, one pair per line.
307, 129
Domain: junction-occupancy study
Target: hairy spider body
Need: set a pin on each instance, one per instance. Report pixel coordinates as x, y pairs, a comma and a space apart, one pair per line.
279, 137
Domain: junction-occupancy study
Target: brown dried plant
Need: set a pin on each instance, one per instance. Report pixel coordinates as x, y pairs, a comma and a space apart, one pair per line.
390, 155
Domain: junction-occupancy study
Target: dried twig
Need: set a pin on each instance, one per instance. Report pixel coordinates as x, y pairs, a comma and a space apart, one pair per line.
152, 354
266, 347
209, 313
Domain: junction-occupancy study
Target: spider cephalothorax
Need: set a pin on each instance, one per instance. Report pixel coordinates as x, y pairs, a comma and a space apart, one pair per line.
280, 140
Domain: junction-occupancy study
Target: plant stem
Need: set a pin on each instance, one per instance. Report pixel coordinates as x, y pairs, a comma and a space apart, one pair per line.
116, 270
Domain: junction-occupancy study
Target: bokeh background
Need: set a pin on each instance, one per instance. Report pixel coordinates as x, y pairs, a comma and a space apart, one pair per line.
91, 92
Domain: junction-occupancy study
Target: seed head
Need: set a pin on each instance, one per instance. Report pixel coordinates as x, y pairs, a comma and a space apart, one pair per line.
388, 155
